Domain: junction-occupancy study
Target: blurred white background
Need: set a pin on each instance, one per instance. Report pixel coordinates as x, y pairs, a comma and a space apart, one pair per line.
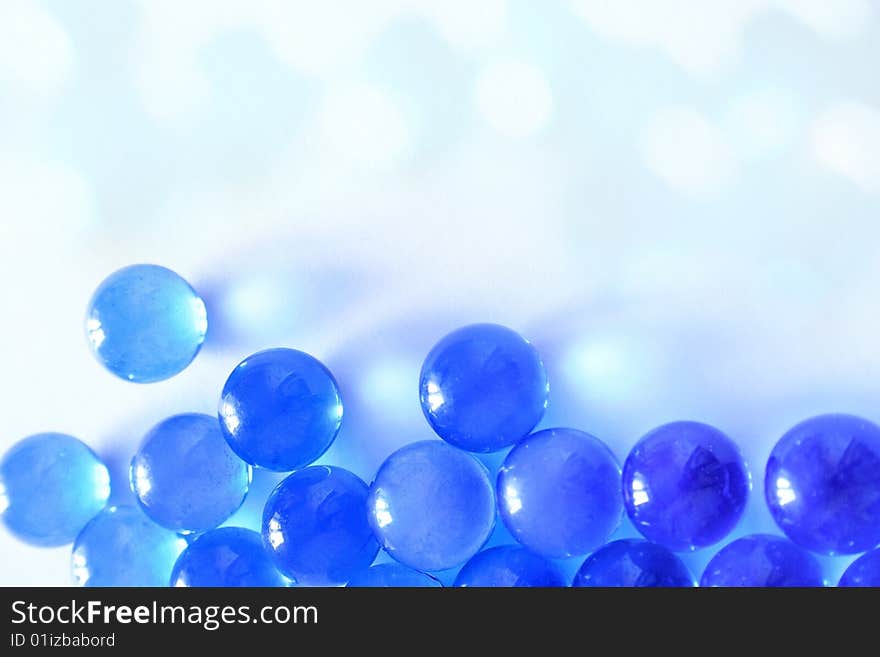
677, 201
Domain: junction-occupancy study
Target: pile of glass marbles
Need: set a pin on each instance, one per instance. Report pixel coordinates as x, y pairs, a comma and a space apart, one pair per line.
432, 505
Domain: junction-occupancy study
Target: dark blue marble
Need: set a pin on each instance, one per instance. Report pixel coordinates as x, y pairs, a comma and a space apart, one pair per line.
762, 560
51, 484
186, 477
483, 388
145, 323
385, 575
315, 526
431, 505
633, 562
122, 547
280, 409
685, 485
559, 493
864, 571
822, 484
509, 566
228, 556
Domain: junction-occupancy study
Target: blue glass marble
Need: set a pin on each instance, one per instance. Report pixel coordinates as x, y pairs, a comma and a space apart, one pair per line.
51, 485
633, 562
315, 526
186, 477
762, 560
822, 484
483, 388
385, 575
559, 493
864, 571
228, 556
509, 566
145, 323
122, 547
280, 409
431, 505
685, 485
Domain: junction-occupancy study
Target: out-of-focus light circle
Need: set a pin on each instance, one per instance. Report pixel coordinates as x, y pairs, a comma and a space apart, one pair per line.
35, 51
762, 123
514, 97
364, 127
846, 140
687, 151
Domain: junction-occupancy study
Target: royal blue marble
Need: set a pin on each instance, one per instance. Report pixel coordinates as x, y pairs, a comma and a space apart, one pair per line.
386, 575
864, 571
51, 485
685, 485
633, 562
431, 505
186, 477
483, 388
762, 560
822, 484
145, 323
509, 566
280, 409
228, 556
559, 493
122, 547
315, 526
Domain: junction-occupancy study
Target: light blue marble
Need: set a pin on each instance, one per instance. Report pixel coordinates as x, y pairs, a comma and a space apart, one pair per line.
51, 485
431, 505
145, 323
186, 477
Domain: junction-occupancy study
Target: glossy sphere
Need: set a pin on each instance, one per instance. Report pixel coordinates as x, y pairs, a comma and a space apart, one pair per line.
51, 485
762, 560
822, 484
186, 477
280, 409
122, 547
685, 485
559, 493
229, 556
483, 388
633, 563
431, 506
315, 526
386, 575
509, 566
864, 571
145, 323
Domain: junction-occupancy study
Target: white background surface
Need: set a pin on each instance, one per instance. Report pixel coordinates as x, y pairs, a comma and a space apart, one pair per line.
676, 201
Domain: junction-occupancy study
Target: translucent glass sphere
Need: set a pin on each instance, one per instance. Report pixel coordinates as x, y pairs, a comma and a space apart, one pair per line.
633, 563
431, 505
280, 409
315, 526
186, 477
228, 556
51, 485
685, 485
122, 547
762, 560
559, 493
864, 571
483, 388
385, 575
145, 323
822, 484
509, 566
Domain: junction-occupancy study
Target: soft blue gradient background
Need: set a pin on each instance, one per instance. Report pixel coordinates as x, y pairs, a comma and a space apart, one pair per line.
676, 201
